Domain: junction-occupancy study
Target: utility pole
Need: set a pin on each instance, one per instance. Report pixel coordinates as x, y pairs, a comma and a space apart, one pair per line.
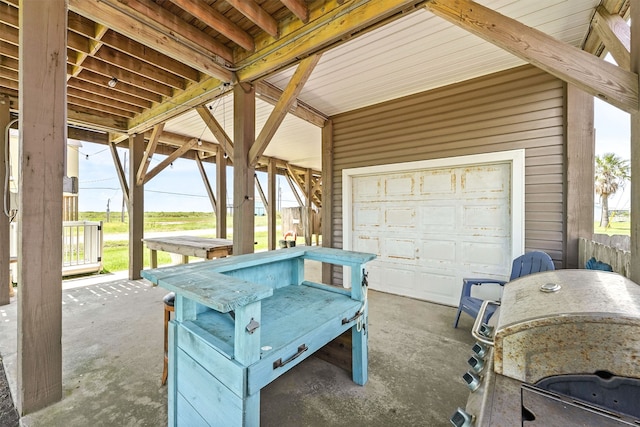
108, 212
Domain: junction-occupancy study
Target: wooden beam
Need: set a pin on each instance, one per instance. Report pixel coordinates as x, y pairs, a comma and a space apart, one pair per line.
299, 8
292, 184
43, 138
271, 207
635, 151
170, 159
257, 15
221, 192
244, 127
207, 14
263, 198
308, 208
114, 17
106, 92
136, 208
271, 94
327, 196
121, 87
299, 78
616, 35
216, 129
119, 172
587, 72
580, 157
195, 95
5, 283
150, 56
148, 153
207, 185
94, 46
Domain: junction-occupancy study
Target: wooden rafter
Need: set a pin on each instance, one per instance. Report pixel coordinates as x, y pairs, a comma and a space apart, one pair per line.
207, 14
290, 94
216, 130
170, 159
207, 184
148, 153
299, 8
257, 15
141, 29
120, 172
271, 94
591, 74
616, 35
94, 46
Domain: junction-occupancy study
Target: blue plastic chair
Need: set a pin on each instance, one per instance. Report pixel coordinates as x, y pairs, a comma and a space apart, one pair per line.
531, 262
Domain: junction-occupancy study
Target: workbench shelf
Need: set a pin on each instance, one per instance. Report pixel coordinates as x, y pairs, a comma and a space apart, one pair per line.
243, 321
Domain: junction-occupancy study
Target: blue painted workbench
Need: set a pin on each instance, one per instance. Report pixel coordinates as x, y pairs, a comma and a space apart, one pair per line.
243, 321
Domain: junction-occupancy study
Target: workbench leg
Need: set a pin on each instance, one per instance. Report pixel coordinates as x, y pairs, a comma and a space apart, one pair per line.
154, 258
185, 259
360, 352
252, 411
172, 377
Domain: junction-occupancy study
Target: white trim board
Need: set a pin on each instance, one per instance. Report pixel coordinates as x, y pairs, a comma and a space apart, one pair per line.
514, 157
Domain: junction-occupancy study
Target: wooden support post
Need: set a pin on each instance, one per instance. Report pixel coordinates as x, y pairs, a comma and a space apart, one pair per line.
5, 282
136, 207
244, 130
580, 171
271, 208
308, 224
221, 192
327, 196
43, 140
635, 150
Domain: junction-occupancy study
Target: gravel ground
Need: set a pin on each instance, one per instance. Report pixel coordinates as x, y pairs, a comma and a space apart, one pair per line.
8, 414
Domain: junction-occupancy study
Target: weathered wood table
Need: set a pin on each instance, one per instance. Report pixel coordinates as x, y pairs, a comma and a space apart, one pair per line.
202, 247
243, 321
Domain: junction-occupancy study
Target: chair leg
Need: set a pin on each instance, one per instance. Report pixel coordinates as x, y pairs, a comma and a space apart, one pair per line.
167, 316
455, 323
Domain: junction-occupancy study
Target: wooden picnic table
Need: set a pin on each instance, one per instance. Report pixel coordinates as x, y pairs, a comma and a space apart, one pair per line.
202, 247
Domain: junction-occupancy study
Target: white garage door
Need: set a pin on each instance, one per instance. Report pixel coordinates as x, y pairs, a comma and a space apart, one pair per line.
431, 227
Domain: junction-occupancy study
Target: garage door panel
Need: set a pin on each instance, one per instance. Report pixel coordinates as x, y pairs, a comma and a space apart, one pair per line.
438, 251
438, 217
366, 189
399, 185
493, 218
485, 179
400, 217
368, 244
438, 183
491, 256
365, 216
400, 250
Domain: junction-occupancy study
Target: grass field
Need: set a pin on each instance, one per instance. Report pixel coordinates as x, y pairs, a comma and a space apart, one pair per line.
116, 252
622, 228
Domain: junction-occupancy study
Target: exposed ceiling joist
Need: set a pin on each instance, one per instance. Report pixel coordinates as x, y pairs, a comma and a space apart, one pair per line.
141, 29
616, 35
587, 72
257, 15
207, 14
290, 94
299, 8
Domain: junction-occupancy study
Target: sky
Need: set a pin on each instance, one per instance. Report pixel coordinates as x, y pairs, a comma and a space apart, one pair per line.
178, 188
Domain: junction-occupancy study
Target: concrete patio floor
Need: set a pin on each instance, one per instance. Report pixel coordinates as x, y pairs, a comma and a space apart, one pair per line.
112, 364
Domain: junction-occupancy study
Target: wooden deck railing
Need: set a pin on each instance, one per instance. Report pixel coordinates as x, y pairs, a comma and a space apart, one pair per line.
613, 250
81, 247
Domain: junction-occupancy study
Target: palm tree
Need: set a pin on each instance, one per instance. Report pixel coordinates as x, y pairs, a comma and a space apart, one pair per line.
611, 173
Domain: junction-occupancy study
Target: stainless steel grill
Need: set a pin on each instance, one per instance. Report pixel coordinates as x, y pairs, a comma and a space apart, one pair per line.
563, 346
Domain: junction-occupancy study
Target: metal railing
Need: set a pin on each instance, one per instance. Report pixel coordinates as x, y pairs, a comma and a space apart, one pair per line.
81, 247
